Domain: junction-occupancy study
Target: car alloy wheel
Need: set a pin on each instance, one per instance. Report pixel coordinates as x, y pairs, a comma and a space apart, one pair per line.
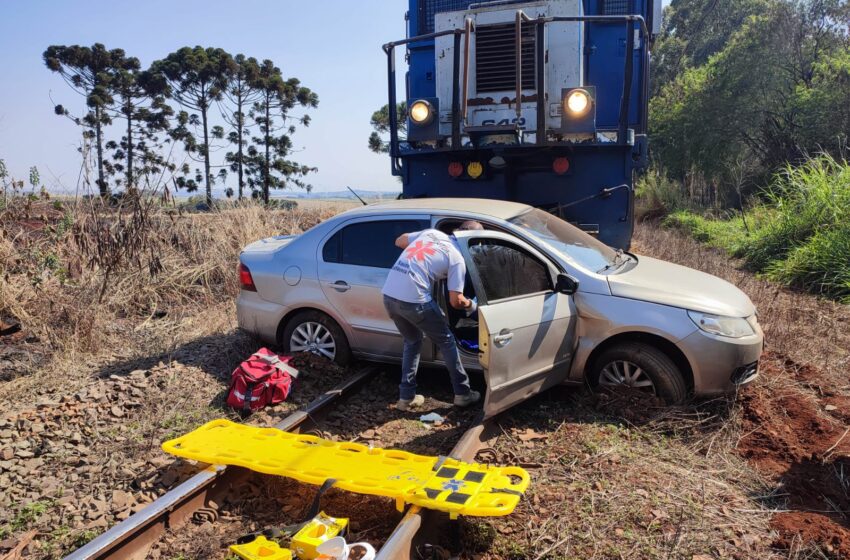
313, 337
624, 372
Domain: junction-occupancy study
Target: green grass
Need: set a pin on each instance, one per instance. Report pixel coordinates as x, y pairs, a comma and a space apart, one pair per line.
723, 234
30, 514
799, 237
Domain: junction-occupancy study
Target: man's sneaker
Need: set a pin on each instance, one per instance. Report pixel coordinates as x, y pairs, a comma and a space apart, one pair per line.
407, 404
465, 400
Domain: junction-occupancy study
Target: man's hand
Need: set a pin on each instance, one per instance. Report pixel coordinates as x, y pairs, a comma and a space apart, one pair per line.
459, 301
402, 241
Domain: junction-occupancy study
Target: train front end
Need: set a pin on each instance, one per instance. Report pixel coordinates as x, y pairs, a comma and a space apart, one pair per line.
537, 102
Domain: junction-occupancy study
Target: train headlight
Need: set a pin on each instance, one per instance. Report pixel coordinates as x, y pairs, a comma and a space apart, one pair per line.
421, 112
423, 123
577, 102
578, 114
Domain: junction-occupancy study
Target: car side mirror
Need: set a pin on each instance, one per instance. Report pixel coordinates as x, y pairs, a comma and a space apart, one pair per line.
566, 284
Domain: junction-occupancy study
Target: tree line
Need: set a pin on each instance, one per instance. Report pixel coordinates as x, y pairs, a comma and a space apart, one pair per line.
742, 88
175, 102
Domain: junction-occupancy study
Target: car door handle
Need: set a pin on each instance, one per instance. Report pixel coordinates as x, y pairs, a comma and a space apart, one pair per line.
503, 338
340, 285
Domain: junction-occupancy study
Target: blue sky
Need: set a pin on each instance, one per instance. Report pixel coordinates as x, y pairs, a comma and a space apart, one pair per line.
332, 46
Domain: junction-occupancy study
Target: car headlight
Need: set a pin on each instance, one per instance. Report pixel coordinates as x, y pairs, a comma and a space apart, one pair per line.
420, 112
732, 327
578, 101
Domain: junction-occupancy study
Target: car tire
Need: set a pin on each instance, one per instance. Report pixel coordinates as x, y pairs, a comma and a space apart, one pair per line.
668, 383
309, 322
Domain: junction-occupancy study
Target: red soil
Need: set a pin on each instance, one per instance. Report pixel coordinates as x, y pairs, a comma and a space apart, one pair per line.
790, 436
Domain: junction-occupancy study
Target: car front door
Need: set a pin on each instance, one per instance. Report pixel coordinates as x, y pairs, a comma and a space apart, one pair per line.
526, 328
354, 261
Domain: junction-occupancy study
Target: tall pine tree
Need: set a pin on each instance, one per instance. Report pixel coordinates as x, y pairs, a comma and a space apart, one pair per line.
268, 166
242, 93
140, 103
196, 78
88, 70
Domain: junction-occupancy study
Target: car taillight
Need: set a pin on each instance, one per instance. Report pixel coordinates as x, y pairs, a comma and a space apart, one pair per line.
246, 282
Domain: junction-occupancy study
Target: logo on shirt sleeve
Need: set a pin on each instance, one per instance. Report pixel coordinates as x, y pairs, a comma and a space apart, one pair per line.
420, 250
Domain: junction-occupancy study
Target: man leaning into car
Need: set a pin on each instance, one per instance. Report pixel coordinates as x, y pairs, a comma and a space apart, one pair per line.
428, 256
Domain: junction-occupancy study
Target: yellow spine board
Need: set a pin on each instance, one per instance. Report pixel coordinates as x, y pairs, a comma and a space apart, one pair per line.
446, 484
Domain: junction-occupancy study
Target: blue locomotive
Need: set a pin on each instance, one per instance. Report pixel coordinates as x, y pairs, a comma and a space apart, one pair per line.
541, 102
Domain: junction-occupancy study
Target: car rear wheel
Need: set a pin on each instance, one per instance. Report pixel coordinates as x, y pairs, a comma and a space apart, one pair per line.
641, 367
315, 332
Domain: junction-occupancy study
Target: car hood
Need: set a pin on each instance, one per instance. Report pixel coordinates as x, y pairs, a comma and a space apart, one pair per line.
678, 286
269, 244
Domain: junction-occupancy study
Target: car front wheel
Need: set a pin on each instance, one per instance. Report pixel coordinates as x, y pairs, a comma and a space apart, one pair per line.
315, 332
641, 367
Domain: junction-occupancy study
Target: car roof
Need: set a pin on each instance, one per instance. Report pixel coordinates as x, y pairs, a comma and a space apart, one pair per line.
500, 209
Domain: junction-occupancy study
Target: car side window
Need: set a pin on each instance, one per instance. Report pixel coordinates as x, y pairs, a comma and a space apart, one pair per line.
507, 270
369, 243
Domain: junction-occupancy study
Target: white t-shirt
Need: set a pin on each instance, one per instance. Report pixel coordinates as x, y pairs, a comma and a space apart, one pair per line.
430, 256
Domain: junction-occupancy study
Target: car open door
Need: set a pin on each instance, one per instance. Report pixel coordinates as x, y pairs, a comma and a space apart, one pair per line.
526, 328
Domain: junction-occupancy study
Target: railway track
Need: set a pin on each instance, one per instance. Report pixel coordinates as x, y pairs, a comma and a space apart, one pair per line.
199, 496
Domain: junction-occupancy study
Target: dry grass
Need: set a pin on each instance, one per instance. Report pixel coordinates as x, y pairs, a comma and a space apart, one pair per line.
603, 488
178, 287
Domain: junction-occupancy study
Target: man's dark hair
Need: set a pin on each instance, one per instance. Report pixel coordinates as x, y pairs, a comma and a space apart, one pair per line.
469, 225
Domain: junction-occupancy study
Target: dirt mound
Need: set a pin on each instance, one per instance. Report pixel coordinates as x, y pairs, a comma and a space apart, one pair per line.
789, 436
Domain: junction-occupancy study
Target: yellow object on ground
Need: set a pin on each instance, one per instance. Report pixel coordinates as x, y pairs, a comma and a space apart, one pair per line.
438, 483
261, 549
318, 530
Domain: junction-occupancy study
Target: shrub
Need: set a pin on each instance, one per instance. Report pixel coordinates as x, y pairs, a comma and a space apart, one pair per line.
822, 265
800, 236
806, 199
657, 195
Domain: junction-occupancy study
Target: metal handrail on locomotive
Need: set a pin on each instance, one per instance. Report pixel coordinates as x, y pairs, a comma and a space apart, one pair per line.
541, 102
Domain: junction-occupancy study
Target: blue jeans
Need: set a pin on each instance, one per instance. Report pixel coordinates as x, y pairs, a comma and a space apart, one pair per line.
414, 320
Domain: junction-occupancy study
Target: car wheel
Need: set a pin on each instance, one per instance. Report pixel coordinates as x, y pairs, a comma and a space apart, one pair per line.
315, 332
641, 367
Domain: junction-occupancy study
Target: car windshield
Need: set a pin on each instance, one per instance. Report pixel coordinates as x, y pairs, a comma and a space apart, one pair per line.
585, 249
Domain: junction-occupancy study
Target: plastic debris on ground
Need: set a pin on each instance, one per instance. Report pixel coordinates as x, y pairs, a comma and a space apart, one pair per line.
432, 418
261, 549
317, 531
337, 549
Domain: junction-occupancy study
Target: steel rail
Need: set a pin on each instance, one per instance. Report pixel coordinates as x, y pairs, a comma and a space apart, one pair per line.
132, 538
401, 544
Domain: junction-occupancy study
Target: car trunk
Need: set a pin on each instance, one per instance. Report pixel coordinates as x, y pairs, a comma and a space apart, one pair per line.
269, 244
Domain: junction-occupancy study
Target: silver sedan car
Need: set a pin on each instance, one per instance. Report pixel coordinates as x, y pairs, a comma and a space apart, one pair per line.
554, 304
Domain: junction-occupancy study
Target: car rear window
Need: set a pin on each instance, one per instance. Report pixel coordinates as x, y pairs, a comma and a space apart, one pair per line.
369, 243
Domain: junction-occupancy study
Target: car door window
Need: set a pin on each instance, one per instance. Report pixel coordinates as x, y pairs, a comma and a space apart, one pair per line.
507, 270
369, 243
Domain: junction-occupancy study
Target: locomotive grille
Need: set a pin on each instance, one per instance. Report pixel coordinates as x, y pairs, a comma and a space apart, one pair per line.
617, 7
427, 9
495, 58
